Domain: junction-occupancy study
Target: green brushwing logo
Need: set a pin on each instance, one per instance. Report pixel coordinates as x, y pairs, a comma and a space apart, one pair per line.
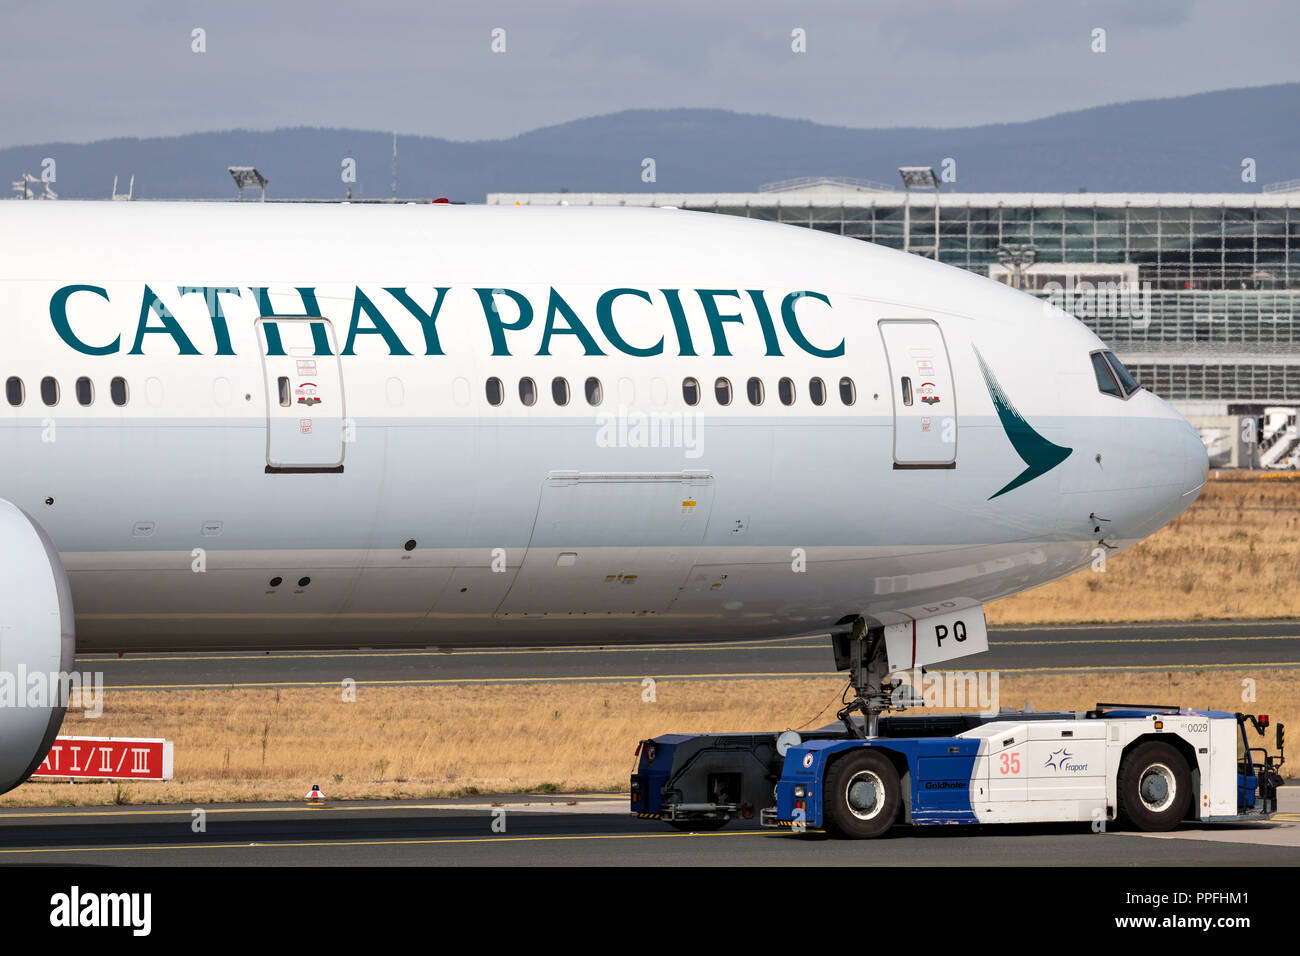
1039, 455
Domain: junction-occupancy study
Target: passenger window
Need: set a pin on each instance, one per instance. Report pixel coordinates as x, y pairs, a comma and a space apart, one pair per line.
785, 391
528, 391
1126, 380
50, 391
560, 391
117, 391
285, 399
594, 392
817, 391
15, 391
495, 393
907, 391
754, 389
848, 395
85, 391
1105, 377
722, 391
691, 391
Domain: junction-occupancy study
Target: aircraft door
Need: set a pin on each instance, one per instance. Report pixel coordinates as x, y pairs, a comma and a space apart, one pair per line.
611, 543
925, 405
304, 395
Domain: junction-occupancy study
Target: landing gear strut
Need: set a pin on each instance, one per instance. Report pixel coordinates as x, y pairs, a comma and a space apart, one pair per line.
861, 651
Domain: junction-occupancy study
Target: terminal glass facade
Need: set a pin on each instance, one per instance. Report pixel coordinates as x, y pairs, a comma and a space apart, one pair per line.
1176, 247
1217, 315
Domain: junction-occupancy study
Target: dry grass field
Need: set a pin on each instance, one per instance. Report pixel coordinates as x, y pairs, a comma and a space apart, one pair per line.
243, 745
1233, 554
1236, 553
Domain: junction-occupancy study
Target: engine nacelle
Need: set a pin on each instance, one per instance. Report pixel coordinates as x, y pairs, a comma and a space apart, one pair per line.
36, 638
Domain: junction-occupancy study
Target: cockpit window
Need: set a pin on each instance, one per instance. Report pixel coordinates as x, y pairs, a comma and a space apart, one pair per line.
1126, 379
1105, 377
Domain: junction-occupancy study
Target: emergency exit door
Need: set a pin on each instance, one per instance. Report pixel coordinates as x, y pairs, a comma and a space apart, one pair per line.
925, 407
304, 395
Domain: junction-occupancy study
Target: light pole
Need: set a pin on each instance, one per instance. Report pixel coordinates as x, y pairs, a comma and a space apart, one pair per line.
1017, 257
248, 176
922, 176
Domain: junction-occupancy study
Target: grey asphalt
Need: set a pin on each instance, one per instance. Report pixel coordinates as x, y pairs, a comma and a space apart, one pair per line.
595, 829
1047, 649
584, 830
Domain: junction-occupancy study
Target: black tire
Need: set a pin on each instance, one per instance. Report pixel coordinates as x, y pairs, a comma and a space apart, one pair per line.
861, 796
697, 826
1154, 787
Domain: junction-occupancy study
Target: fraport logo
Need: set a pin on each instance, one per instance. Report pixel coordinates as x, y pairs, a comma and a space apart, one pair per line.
1060, 760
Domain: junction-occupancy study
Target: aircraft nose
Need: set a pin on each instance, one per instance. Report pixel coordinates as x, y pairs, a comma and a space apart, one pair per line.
1196, 464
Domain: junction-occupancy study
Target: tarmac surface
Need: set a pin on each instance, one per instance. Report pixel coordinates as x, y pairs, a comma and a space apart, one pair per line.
1046, 649
586, 829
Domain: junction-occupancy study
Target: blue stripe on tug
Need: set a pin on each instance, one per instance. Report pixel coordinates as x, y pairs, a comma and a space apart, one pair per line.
935, 773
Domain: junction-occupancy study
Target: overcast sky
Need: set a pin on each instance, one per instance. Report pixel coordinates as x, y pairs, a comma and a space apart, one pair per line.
78, 70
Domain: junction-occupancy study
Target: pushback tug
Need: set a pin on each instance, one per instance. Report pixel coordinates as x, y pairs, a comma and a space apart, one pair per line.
1148, 767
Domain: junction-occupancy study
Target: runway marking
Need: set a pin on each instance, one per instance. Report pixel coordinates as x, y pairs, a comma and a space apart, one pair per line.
1254, 622
187, 811
422, 615
1145, 640
445, 841
95, 656
615, 678
464, 680
1146, 667
1281, 817
339, 843
799, 644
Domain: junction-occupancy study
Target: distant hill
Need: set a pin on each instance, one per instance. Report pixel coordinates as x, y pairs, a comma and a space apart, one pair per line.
1190, 143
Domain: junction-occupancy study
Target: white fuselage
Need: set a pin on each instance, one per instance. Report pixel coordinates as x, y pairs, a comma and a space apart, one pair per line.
288, 468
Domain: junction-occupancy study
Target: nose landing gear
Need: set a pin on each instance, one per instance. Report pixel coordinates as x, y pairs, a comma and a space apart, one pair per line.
861, 651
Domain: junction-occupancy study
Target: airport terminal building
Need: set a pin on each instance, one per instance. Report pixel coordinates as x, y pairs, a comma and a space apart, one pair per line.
1198, 293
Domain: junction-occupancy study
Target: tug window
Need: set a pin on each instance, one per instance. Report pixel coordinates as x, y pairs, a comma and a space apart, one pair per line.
848, 394
785, 390
495, 393
528, 391
50, 390
817, 391
722, 391
691, 391
85, 391
560, 391
754, 389
117, 391
595, 394
1105, 377
15, 391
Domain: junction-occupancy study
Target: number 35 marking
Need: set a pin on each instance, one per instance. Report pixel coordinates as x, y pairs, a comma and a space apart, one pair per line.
1010, 763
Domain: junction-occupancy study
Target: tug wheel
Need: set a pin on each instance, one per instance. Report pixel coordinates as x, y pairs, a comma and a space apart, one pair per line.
1154, 787
861, 795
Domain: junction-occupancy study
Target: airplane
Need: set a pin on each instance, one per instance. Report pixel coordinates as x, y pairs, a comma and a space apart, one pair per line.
295, 425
